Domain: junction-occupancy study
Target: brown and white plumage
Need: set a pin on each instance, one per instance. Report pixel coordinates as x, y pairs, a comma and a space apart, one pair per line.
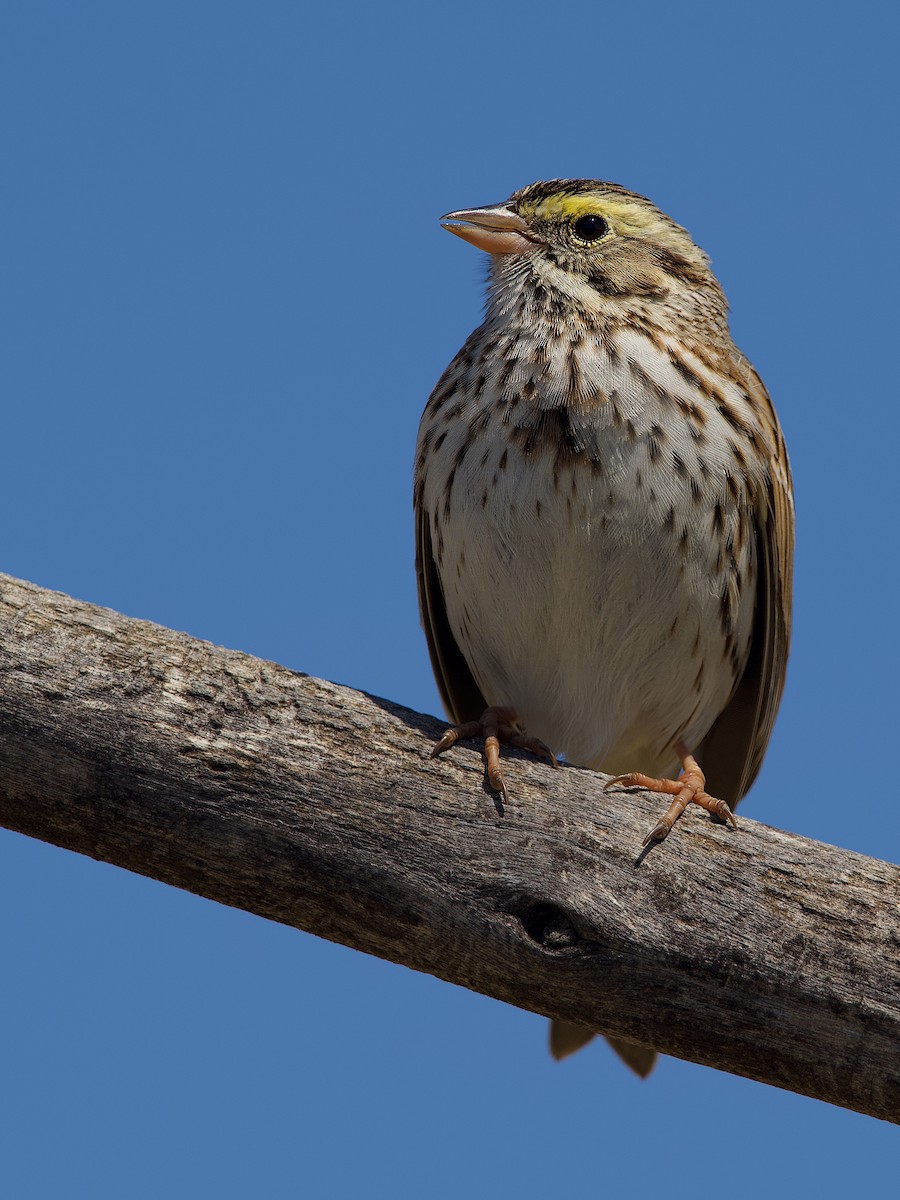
604, 520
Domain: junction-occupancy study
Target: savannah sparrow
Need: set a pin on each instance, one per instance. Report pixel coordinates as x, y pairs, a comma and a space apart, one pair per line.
603, 509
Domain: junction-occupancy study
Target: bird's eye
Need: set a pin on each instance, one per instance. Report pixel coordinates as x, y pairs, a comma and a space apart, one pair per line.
590, 228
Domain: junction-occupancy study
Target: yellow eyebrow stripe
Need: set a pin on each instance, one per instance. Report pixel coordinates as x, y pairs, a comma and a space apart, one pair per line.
624, 217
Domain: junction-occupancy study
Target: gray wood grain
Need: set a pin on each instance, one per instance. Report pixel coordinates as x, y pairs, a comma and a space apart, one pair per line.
753, 951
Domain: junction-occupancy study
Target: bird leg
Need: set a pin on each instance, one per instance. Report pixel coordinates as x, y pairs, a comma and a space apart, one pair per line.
689, 788
495, 725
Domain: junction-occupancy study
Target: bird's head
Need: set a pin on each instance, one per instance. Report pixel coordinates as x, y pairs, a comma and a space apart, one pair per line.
587, 239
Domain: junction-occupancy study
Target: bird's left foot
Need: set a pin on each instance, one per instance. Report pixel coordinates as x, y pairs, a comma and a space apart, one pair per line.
689, 788
495, 725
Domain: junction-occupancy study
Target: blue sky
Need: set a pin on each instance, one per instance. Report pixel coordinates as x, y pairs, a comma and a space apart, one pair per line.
225, 299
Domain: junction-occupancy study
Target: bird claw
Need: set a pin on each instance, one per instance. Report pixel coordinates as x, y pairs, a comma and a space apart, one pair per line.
454, 734
496, 726
636, 780
689, 788
658, 833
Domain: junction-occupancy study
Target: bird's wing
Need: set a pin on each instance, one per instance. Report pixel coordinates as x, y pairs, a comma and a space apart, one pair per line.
731, 754
459, 691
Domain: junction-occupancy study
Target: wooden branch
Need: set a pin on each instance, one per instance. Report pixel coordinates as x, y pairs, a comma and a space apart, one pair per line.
753, 951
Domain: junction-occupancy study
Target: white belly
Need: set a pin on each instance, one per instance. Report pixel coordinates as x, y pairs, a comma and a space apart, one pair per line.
594, 597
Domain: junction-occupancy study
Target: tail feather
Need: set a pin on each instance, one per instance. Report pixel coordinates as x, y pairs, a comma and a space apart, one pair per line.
566, 1037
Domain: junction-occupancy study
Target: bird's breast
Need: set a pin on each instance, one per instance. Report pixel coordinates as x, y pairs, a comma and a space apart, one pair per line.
596, 554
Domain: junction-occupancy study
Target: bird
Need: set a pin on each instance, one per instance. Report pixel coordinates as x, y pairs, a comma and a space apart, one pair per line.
604, 512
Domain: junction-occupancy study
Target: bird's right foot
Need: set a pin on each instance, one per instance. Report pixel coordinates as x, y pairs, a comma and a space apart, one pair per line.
495, 725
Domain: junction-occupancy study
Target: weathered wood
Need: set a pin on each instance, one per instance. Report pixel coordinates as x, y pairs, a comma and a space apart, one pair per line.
757, 952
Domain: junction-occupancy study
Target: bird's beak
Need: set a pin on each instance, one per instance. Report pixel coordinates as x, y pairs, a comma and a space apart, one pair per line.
496, 229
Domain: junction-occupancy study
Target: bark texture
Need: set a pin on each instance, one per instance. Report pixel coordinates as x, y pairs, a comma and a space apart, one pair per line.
755, 951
